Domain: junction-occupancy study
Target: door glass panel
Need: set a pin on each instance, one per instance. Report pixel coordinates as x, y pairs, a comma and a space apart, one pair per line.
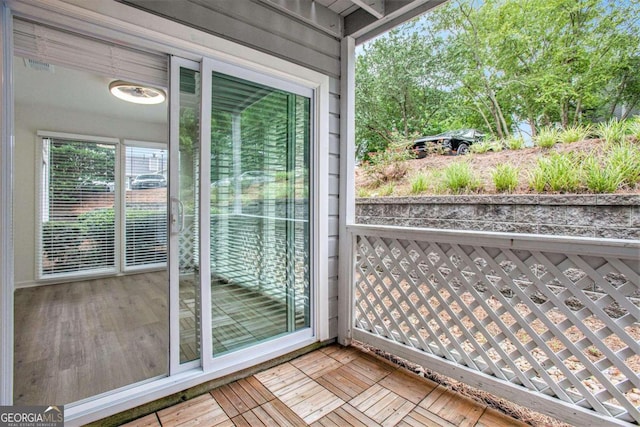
188, 238
87, 329
259, 213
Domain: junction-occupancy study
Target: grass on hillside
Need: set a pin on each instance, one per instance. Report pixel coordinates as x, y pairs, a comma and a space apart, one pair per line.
582, 159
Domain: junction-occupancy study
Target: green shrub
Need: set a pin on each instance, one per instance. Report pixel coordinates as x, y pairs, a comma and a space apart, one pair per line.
497, 145
480, 147
387, 190
419, 184
600, 178
281, 176
515, 143
459, 178
100, 222
613, 131
505, 177
146, 231
537, 180
625, 158
390, 164
634, 128
363, 192
61, 241
486, 146
574, 134
555, 173
547, 137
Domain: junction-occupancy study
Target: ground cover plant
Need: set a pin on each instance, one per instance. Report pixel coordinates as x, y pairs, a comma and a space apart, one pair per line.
606, 163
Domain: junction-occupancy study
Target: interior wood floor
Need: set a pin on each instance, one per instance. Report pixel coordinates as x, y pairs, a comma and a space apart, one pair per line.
80, 339
333, 386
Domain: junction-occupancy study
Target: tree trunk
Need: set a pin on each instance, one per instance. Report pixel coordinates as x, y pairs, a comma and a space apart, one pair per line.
532, 125
501, 123
628, 108
484, 117
564, 114
404, 117
578, 113
496, 119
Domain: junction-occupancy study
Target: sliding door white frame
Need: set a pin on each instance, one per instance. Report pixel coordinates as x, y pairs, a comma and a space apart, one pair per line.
6, 207
175, 216
114, 21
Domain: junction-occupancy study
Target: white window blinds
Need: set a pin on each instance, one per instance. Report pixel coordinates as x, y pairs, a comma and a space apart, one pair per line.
77, 207
52, 46
145, 206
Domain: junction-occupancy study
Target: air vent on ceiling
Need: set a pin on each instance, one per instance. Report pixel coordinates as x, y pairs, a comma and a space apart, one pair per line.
34, 64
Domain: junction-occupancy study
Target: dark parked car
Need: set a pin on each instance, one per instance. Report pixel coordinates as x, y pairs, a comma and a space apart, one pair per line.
142, 182
96, 186
454, 141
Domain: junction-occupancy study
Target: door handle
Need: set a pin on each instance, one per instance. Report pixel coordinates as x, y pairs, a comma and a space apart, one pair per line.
177, 216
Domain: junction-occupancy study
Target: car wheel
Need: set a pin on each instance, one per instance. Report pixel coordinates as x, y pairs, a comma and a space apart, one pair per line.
462, 149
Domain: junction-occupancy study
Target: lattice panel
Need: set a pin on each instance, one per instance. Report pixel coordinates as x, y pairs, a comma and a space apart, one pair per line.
563, 325
266, 254
188, 246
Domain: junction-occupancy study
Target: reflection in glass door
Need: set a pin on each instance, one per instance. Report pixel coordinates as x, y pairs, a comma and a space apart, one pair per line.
184, 188
259, 229
240, 234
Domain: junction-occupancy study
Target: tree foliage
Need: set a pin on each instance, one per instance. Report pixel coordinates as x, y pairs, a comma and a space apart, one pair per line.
74, 163
495, 64
400, 89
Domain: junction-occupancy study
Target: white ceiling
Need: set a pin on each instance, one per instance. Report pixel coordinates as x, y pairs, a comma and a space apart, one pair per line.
80, 91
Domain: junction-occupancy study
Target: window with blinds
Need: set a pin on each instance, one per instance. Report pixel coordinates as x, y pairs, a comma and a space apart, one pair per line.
145, 221
78, 213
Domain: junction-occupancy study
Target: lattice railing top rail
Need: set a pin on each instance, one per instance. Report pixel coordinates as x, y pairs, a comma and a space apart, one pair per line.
558, 316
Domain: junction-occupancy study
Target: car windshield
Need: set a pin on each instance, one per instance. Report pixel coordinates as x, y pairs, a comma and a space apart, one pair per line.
460, 132
157, 177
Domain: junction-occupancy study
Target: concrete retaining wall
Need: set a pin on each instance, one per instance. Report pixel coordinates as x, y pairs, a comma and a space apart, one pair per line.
607, 216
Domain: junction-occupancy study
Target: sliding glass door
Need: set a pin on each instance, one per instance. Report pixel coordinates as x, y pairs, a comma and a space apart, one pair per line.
185, 217
240, 210
259, 208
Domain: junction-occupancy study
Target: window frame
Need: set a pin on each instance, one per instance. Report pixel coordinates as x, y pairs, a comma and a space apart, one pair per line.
122, 195
120, 205
40, 277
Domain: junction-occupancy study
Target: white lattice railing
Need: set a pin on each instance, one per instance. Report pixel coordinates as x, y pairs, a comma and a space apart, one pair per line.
551, 323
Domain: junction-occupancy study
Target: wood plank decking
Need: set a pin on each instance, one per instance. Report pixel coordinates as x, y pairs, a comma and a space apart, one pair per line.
333, 386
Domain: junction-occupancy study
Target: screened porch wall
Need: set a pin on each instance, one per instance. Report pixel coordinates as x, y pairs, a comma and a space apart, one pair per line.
257, 26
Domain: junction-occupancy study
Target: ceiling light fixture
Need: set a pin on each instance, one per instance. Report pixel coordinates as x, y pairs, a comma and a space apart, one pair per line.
138, 94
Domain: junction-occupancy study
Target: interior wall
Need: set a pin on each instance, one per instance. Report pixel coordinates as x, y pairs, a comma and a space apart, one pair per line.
29, 119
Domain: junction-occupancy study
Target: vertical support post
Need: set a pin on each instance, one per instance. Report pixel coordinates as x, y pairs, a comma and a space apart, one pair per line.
290, 213
347, 189
205, 215
6, 208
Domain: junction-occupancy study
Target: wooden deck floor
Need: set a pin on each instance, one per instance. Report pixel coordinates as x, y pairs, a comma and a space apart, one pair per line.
333, 386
